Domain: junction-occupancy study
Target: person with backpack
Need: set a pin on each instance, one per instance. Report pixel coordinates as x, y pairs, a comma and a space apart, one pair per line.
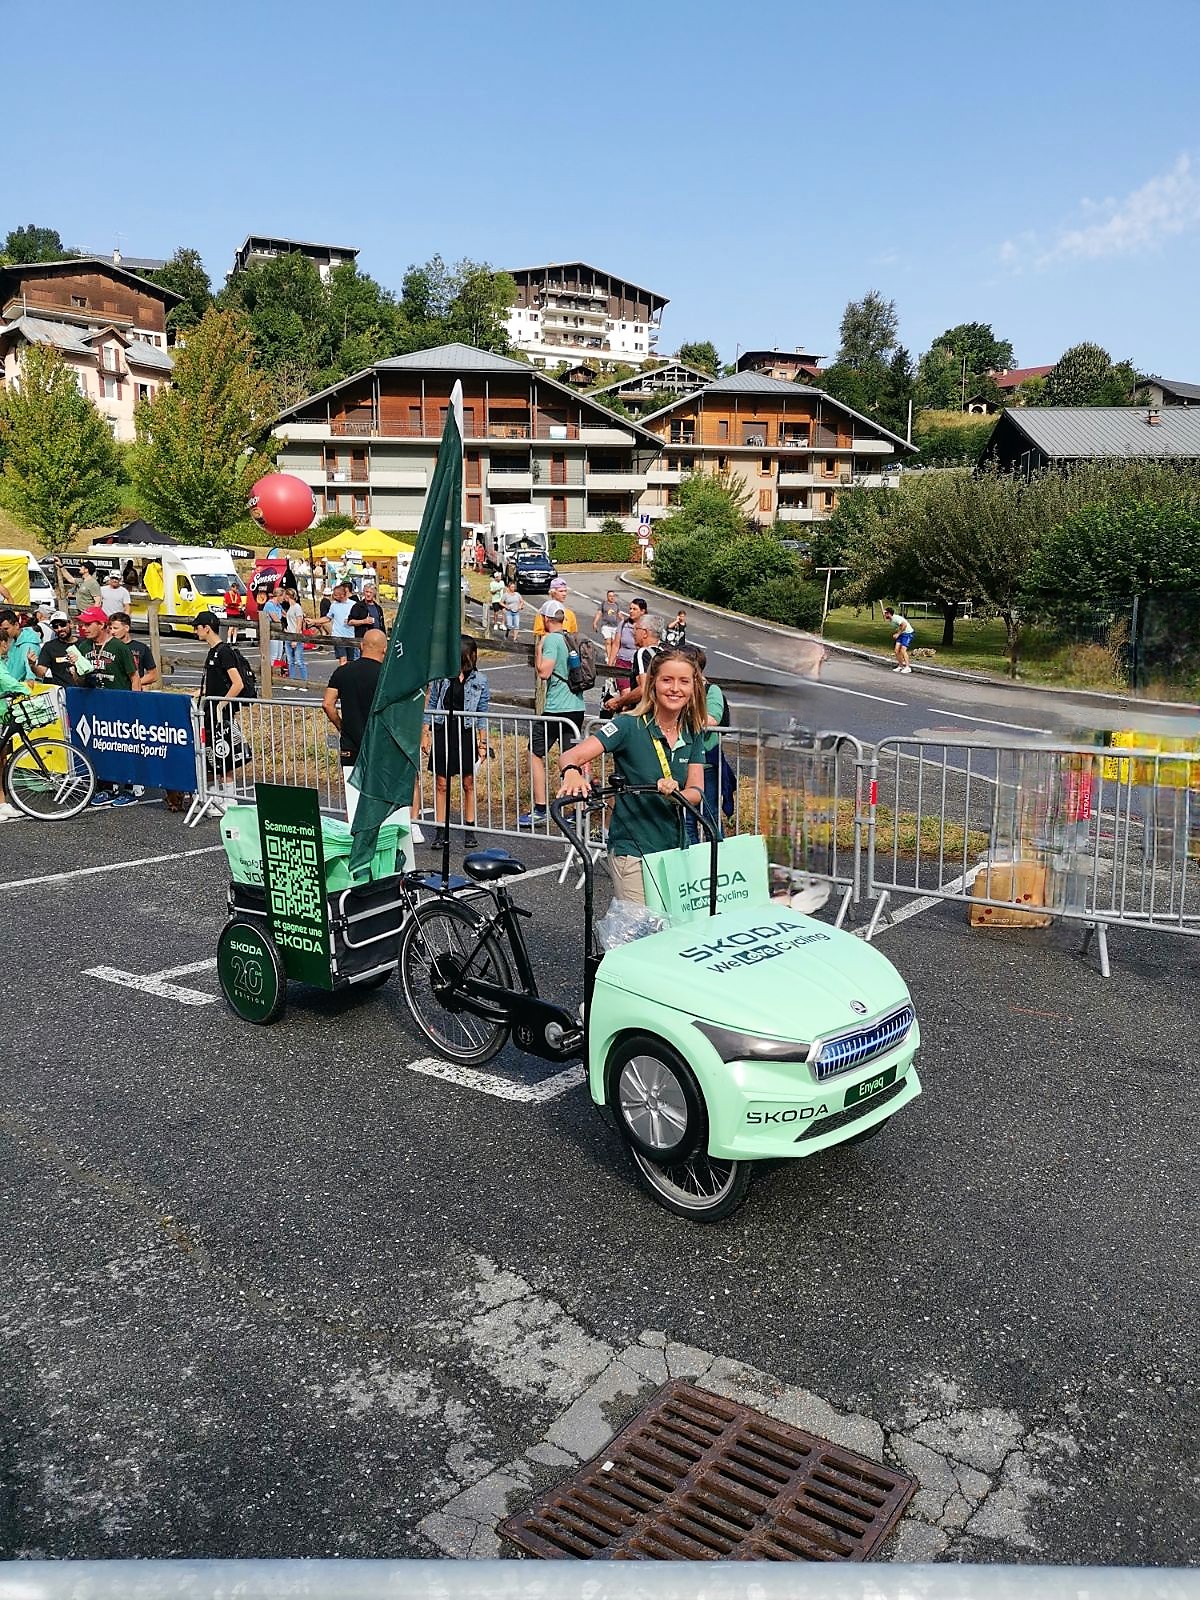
720, 780
647, 642
564, 707
226, 679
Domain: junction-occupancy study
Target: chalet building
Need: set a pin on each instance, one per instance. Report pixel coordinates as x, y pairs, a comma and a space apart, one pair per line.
1156, 391
795, 447
109, 325
646, 391
368, 445
1031, 439
569, 311
262, 247
789, 365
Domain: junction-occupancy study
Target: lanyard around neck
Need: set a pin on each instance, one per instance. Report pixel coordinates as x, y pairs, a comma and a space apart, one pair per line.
658, 751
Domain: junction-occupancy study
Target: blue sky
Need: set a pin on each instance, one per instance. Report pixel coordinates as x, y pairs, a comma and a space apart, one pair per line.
1035, 166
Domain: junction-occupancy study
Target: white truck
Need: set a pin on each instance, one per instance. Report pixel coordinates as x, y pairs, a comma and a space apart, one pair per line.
514, 531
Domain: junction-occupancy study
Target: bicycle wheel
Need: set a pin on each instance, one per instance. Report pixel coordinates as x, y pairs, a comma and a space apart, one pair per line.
49, 779
439, 938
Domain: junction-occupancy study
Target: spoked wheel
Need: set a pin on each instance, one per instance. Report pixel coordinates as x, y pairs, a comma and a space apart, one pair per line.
661, 1112
49, 779
439, 938
700, 1187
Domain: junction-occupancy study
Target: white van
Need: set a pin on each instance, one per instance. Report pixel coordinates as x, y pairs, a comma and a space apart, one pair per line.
187, 579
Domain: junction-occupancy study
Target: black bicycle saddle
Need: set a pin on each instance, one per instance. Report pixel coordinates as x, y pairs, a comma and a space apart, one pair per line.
486, 865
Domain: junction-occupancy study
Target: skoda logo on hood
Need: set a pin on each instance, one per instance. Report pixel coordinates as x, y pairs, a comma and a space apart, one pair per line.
858, 1008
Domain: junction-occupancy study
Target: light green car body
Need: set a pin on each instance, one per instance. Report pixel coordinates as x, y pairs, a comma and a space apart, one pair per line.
771, 972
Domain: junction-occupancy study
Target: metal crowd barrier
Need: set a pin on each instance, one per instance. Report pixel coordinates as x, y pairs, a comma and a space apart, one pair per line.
578, 1580
1100, 837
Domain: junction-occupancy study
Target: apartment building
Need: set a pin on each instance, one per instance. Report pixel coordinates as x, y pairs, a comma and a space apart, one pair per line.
368, 445
650, 390
108, 324
262, 247
570, 311
789, 365
795, 447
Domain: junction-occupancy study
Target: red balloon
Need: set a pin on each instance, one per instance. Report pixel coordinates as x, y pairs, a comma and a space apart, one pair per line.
282, 504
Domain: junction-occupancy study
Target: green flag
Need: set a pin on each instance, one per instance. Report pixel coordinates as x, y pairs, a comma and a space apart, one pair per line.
425, 644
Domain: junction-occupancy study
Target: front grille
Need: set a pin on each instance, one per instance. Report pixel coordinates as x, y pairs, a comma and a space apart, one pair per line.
850, 1050
823, 1125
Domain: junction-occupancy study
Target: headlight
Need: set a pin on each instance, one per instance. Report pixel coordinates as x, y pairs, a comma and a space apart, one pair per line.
732, 1045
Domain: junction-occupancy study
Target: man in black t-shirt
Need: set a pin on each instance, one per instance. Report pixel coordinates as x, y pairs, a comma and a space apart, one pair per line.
220, 681
347, 700
53, 662
122, 629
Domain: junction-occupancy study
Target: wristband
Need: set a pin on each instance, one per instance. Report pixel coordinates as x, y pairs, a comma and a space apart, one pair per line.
571, 768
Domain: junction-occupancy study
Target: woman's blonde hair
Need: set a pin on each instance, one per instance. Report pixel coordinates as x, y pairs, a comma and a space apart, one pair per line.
695, 713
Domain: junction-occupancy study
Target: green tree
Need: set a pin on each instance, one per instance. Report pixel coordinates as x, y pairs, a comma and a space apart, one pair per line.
873, 371
61, 464
203, 442
184, 274
869, 332
701, 353
1109, 552
468, 302
1085, 375
33, 243
284, 303
957, 365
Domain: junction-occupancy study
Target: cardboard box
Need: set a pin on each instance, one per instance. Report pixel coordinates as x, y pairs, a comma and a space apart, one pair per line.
1023, 882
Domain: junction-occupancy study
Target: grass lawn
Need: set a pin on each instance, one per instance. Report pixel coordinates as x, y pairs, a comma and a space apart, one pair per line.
980, 647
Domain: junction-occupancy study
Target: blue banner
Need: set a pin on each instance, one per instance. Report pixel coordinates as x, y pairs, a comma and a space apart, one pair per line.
135, 738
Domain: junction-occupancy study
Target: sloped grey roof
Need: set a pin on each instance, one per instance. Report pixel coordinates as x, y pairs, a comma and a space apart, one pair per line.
455, 358
143, 354
1081, 433
759, 383
1189, 391
60, 334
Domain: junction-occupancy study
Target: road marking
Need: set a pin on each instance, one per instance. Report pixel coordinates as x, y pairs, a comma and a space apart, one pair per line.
499, 1088
816, 683
156, 982
965, 716
926, 902
111, 866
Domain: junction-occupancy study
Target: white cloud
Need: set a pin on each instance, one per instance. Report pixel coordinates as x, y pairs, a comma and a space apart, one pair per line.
1162, 208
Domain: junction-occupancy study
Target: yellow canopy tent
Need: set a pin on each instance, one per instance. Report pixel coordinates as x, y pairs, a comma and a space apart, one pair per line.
370, 543
14, 575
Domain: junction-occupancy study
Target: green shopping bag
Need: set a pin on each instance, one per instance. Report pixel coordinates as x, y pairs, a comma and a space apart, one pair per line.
676, 881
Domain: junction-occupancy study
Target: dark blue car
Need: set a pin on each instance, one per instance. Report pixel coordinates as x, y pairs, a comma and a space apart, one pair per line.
535, 573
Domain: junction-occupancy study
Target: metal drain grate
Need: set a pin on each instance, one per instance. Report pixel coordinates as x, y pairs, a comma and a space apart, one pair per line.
695, 1477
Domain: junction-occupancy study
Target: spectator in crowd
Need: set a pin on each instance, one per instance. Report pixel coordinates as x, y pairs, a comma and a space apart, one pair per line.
373, 610
221, 684
115, 596
347, 703
294, 621
53, 662
235, 610
10, 689
86, 586
647, 635
903, 634
495, 590
20, 643
456, 740
129, 575
272, 612
480, 556
720, 780
675, 633
514, 604
607, 622
562, 704
42, 622
337, 621
627, 644
558, 591
122, 630
111, 665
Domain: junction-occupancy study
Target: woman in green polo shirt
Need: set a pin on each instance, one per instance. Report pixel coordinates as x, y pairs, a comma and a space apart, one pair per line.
660, 742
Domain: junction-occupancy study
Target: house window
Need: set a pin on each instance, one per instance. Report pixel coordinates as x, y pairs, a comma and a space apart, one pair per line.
722, 463
81, 383
110, 388
723, 431
145, 392
79, 301
764, 467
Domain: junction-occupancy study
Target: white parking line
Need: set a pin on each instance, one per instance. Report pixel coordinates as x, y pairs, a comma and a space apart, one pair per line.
966, 716
815, 683
155, 982
926, 902
110, 866
499, 1088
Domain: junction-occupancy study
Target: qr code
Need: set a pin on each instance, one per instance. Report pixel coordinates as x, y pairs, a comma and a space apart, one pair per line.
294, 875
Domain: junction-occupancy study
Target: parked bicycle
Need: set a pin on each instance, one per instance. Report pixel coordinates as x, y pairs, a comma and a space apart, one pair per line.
44, 775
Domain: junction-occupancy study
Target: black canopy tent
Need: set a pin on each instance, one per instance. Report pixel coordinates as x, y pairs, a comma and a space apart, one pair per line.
138, 532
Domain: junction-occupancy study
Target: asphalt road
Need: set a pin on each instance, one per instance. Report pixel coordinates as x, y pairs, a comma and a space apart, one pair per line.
275, 1292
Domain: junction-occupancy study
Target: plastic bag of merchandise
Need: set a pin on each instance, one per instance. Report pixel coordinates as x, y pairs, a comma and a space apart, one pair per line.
625, 921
